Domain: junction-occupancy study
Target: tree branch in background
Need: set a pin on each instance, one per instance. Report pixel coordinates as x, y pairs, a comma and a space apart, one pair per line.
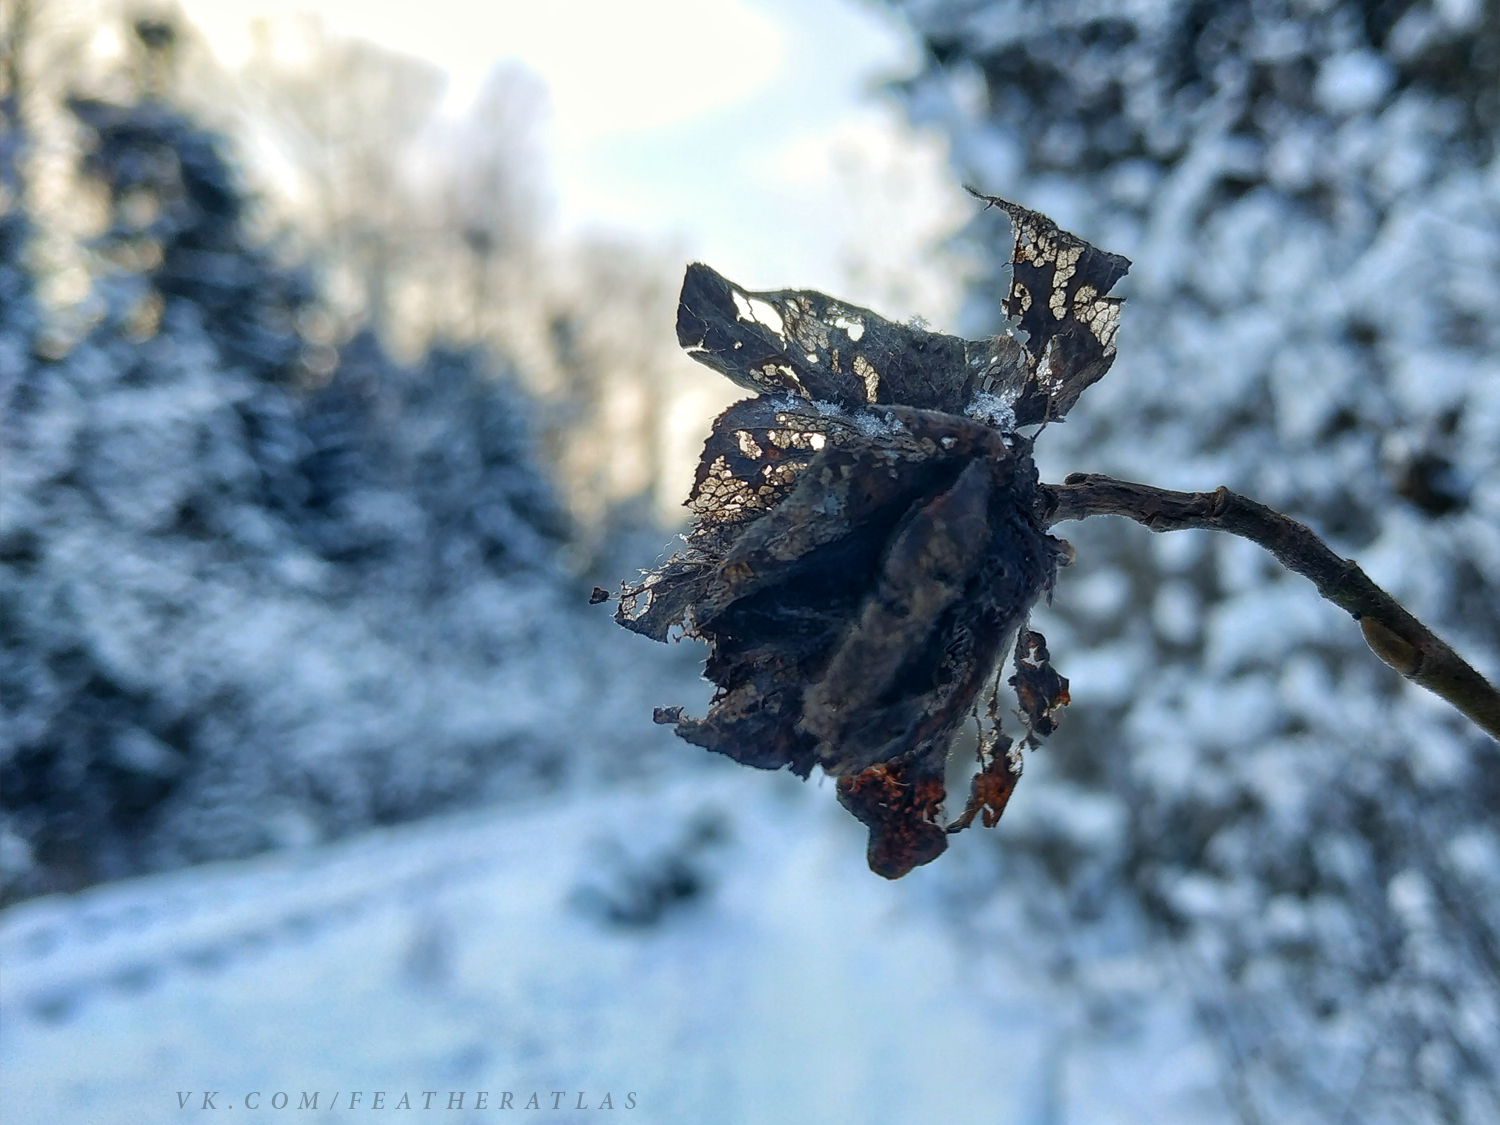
1395, 635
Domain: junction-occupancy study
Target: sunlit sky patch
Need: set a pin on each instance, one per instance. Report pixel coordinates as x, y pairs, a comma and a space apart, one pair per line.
745, 132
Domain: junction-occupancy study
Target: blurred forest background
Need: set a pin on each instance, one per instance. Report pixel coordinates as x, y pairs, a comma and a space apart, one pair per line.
312, 446
295, 512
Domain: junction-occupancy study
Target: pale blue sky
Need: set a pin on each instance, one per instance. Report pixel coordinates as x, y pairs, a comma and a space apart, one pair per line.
744, 132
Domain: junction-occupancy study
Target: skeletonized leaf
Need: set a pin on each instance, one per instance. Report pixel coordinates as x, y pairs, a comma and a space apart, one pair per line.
867, 534
803, 343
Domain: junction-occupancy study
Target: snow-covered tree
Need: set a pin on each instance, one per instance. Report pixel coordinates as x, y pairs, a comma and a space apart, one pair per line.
1310, 193
257, 589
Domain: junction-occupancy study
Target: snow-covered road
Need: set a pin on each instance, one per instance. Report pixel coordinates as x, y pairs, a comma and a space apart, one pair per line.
469, 954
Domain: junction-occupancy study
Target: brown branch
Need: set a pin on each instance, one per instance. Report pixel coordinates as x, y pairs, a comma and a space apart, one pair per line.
1396, 636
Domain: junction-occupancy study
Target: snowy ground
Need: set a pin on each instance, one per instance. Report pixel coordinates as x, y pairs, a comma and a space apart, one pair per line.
476, 953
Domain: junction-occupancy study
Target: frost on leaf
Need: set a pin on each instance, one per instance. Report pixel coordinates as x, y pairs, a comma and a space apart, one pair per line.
867, 537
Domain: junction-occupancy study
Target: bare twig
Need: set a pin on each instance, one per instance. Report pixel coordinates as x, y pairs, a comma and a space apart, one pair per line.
1395, 635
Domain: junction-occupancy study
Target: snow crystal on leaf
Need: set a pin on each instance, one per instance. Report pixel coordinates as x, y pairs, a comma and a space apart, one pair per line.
998, 412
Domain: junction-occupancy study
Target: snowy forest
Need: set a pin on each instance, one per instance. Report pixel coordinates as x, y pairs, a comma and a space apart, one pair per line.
316, 765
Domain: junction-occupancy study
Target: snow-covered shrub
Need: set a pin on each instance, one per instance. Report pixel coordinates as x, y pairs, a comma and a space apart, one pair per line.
1310, 194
